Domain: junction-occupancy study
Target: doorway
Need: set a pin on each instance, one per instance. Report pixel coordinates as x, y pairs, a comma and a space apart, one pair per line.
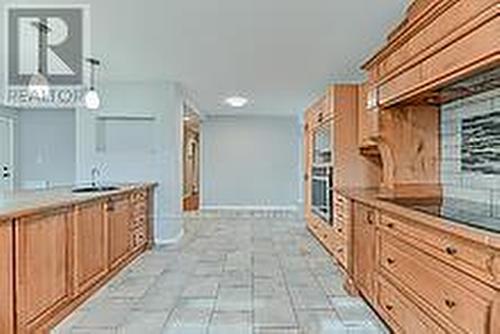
6, 153
191, 159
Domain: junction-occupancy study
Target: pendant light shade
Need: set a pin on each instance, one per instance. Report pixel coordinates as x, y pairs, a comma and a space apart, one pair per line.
92, 100
39, 86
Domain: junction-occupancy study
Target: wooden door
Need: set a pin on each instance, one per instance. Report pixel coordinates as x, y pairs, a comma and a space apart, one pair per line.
90, 245
6, 278
43, 262
364, 249
119, 216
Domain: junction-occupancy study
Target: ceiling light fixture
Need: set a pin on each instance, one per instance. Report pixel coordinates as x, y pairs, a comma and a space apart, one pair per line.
92, 100
39, 85
237, 101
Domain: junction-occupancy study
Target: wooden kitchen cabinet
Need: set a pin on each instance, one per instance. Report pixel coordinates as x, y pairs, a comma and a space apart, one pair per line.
438, 42
368, 119
139, 228
119, 217
43, 246
365, 221
90, 245
6, 278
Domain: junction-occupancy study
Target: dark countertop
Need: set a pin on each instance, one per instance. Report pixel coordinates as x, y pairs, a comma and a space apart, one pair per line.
465, 218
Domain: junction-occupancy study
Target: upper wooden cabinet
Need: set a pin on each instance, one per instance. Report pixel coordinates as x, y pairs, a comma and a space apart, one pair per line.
6, 278
438, 42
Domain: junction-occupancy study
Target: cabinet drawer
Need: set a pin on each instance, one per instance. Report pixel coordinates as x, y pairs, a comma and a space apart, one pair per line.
403, 315
431, 280
138, 238
478, 260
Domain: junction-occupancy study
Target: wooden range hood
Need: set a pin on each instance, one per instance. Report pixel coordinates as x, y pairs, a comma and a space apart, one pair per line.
435, 55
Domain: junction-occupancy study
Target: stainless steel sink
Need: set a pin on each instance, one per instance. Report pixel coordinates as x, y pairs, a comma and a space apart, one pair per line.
94, 189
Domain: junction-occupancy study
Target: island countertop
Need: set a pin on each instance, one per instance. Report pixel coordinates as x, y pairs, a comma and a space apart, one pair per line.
18, 203
383, 200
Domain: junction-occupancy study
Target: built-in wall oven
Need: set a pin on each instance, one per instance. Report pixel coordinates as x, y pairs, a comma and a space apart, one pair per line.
322, 173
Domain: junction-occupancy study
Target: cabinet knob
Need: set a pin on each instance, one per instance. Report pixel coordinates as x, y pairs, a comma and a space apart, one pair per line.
390, 225
391, 261
450, 303
389, 307
451, 250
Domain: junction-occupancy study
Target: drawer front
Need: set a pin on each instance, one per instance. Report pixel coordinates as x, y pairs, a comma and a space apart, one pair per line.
478, 260
138, 238
403, 315
425, 277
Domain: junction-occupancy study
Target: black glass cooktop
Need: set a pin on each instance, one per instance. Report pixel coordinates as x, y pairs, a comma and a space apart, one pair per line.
479, 215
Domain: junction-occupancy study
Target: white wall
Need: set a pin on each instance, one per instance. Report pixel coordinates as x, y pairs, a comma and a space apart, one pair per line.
250, 161
160, 163
45, 148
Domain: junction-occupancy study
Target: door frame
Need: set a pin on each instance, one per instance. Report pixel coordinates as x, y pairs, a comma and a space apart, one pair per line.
11, 123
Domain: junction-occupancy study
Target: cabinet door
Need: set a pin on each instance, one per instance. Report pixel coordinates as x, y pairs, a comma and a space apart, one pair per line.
364, 248
90, 245
118, 210
43, 282
6, 275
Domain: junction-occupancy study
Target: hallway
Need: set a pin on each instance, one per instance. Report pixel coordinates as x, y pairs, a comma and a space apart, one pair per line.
233, 273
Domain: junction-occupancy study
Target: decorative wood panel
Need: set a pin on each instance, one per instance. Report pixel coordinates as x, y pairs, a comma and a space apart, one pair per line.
90, 245
119, 218
43, 266
365, 221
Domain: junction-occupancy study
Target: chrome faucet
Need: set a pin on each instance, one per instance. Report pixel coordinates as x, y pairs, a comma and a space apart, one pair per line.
96, 175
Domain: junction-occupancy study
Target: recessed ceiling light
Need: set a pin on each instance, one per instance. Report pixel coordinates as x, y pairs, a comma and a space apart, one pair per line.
237, 101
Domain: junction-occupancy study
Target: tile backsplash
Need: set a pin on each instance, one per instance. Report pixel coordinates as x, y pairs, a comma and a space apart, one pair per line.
470, 148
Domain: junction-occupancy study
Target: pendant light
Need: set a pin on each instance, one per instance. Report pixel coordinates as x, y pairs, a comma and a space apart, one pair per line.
39, 85
92, 100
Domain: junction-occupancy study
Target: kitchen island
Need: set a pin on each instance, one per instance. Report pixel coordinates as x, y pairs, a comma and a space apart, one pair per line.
58, 247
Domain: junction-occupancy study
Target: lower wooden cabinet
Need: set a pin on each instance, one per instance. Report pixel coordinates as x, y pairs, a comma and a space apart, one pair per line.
119, 216
365, 220
52, 260
6, 278
421, 280
401, 313
90, 245
43, 267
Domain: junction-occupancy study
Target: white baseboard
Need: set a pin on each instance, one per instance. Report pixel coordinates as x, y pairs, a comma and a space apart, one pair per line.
174, 240
293, 208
